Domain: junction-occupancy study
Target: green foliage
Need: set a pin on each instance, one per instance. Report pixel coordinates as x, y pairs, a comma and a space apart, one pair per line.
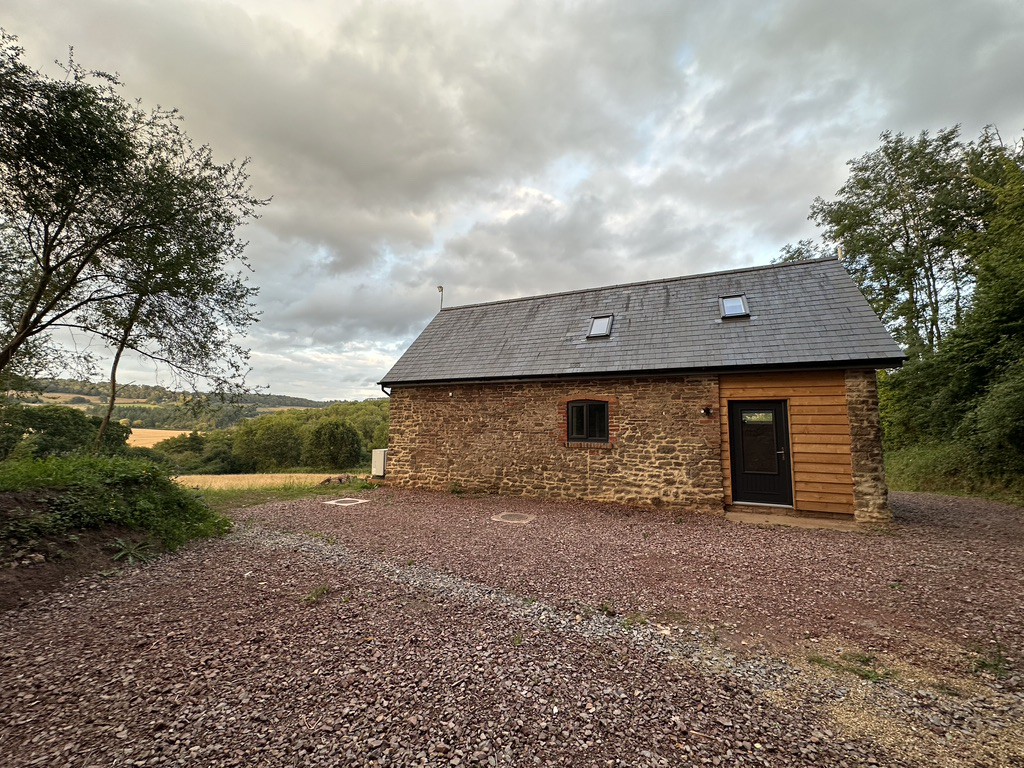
932, 229
953, 467
904, 223
862, 665
340, 436
227, 499
191, 443
316, 595
269, 443
972, 388
161, 395
994, 661
85, 492
113, 222
53, 430
130, 552
219, 416
330, 443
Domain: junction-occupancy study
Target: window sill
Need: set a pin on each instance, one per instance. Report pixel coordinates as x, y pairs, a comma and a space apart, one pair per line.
584, 445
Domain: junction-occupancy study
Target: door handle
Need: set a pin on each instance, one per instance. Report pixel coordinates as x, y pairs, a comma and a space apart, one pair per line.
782, 453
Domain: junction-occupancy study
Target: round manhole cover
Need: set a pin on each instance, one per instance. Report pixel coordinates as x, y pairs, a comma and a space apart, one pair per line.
512, 517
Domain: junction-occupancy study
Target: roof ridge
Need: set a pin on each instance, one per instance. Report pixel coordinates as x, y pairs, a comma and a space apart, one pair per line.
756, 268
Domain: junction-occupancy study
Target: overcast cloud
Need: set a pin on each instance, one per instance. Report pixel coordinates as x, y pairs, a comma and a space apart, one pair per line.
512, 148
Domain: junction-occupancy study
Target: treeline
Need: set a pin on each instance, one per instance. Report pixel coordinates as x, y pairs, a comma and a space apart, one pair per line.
157, 394
340, 436
221, 416
932, 229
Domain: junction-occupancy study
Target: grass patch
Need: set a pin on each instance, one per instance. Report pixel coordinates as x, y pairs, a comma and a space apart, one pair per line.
225, 499
55, 496
949, 468
862, 665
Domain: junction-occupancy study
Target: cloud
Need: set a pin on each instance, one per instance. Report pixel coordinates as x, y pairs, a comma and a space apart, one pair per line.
516, 147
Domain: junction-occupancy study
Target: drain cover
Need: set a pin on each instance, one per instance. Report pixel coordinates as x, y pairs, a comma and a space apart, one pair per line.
346, 502
513, 517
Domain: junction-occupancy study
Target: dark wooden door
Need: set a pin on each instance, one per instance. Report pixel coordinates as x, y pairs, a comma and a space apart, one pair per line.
759, 452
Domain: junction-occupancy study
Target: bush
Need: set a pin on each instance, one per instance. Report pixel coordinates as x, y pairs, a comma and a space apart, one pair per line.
331, 444
268, 444
83, 492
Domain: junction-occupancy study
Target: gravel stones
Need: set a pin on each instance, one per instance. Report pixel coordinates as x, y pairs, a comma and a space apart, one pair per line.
418, 655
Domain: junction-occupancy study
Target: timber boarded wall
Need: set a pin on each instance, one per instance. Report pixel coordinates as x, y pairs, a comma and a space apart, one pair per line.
819, 433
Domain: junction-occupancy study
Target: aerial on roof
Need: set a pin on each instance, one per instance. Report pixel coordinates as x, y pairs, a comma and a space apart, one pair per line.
795, 314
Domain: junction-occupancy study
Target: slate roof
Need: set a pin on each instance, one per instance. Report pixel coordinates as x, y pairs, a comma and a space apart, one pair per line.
802, 314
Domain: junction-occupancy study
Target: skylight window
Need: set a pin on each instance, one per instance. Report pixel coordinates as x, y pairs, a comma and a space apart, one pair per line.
600, 326
734, 306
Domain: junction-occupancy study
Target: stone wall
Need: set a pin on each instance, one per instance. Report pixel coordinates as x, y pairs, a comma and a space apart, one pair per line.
870, 492
511, 438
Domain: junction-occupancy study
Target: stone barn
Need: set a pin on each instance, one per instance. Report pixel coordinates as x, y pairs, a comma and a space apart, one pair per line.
752, 388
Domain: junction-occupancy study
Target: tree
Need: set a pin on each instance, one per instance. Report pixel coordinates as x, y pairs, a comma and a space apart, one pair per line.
331, 443
114, 223
269, 443
971, 390
903, 223
53, 430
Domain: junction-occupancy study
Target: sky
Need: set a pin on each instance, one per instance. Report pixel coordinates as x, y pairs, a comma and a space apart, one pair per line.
505, 149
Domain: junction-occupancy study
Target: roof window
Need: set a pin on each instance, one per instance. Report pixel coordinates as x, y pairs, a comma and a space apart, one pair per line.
600, 326
734, 306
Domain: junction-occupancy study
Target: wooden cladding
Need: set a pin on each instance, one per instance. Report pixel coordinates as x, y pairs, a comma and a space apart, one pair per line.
819, 427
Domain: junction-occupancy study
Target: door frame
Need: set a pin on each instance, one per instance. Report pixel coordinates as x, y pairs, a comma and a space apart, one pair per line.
783, 434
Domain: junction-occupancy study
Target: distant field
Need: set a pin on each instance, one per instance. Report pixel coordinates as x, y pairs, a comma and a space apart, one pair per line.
147, 438
225, 482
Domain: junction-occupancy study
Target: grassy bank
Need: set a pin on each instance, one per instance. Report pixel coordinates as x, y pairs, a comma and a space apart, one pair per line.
949, 468
57, 496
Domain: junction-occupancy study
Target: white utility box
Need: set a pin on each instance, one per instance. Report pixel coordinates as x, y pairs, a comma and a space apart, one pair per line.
379, 462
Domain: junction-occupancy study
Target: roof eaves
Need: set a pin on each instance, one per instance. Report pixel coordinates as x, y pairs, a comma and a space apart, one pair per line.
875, 363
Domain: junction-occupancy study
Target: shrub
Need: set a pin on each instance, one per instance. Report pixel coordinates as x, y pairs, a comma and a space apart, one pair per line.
331, 443
82, 492
268, 444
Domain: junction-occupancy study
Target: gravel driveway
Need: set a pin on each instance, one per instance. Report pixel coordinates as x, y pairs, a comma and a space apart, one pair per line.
415, 630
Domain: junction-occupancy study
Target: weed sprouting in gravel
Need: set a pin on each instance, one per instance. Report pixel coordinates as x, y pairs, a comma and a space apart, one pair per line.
993, 661
608, 609
316, 595
132, 552
517, 640
330, 540
862, 665
634, 620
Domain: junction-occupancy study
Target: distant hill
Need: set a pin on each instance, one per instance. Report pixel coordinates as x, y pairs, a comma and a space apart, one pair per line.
161, 395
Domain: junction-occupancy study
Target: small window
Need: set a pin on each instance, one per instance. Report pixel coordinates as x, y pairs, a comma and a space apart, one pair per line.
734, 306
588, 422
600, 326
